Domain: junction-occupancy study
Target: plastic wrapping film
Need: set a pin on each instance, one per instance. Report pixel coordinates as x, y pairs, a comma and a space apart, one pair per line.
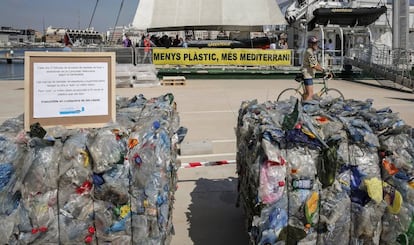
110, 185
325, 172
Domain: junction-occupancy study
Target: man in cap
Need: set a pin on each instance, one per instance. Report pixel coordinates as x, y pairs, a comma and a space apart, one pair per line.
309, 65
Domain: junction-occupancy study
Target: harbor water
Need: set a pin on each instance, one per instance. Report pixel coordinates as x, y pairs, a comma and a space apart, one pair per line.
15, 70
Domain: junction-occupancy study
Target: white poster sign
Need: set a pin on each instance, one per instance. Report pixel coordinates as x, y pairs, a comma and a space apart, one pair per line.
70, 89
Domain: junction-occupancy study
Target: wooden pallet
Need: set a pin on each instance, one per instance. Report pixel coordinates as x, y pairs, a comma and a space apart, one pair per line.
173, 80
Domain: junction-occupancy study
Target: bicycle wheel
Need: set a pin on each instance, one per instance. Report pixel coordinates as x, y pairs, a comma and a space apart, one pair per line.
287, 93
333, 93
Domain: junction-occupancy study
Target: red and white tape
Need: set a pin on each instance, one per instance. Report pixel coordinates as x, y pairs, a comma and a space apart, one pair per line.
205, 164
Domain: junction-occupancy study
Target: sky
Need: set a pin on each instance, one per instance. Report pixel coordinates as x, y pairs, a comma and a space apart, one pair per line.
73, 14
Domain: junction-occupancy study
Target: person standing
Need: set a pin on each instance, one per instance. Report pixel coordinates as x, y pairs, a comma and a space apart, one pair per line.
140, 49
272, 43
310, 64
330, 48
283, 41
185, 43
147, 49
177, 41
127, 42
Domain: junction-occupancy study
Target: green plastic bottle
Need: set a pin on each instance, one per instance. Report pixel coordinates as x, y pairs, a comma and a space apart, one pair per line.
408, 237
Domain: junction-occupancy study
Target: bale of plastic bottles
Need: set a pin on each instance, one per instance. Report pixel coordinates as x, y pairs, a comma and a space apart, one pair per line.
325, 172
109, 185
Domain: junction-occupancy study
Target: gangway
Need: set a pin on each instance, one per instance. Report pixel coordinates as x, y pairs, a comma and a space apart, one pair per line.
345, 20
384, 63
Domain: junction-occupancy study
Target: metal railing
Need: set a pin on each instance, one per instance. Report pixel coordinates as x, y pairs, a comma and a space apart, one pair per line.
381, 58
382, 61
132, 55
398, 61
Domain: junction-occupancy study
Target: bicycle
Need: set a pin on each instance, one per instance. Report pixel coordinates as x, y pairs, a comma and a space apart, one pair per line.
299, 91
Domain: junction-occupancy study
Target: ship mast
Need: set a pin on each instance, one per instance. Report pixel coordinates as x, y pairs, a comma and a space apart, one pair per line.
93, 14
117, 18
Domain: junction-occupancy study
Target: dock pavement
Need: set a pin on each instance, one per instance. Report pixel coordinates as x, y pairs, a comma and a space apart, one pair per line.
204, 209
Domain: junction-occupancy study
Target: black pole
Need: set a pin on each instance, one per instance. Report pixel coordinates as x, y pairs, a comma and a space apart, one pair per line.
93, 14
117, 18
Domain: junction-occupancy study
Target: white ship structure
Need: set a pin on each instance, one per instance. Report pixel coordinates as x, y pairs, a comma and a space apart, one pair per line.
370, 34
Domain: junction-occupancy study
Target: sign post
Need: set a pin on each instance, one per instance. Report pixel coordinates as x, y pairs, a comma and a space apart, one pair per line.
71, 89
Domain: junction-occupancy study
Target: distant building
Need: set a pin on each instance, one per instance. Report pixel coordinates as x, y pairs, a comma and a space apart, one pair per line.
78, 37
114, 36
11, 36
54, 35
88, 36
38, 36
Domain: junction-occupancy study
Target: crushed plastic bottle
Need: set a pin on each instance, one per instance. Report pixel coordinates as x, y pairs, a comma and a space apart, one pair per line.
91, 186
348, 169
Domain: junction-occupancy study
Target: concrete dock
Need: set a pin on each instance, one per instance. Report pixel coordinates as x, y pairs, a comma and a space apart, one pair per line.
204, 210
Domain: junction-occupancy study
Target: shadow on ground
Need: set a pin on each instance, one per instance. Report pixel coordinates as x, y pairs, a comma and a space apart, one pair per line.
385, 84
213, 215
405, 99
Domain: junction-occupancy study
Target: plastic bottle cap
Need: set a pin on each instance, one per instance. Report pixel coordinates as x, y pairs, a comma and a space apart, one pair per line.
97, 180
298, 126
137, 159
156, 124
91, 229
281, 183
86, 186
132, 143
322, 119
146, 203
43, 229
35, 230
124, 211
88, 239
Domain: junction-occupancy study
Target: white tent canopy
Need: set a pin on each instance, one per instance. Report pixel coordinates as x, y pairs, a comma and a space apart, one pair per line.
243, 15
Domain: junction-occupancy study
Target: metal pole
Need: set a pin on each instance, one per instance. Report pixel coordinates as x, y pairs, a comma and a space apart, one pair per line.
371, 46
342, 46
395, 24
117, 18
323, 45
93, 14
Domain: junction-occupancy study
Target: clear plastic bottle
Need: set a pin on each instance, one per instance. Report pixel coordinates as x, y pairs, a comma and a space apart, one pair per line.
408, 237
139, 227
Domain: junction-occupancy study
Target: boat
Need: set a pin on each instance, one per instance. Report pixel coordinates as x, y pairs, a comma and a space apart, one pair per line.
258, 42
346, 16
360, 29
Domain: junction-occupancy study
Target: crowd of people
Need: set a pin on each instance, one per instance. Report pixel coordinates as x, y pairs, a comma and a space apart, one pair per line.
279, 43
165, 41
156, 41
